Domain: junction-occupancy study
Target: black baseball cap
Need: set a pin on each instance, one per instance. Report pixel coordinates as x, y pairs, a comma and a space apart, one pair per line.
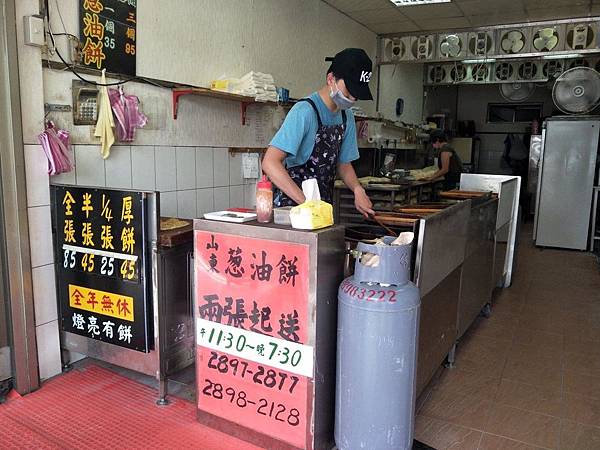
354, 66
437, 135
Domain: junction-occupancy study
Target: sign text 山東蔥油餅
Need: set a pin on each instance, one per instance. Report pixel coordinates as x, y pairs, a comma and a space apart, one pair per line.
253, 360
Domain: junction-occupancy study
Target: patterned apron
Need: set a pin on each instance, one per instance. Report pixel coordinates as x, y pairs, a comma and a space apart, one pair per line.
322, 163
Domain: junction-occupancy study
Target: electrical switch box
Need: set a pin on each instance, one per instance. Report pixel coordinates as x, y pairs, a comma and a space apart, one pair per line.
33, 27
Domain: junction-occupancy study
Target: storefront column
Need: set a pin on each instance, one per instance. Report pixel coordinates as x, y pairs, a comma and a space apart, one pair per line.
14, 208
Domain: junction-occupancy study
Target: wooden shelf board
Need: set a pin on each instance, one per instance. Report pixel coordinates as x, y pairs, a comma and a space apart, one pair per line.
204, 92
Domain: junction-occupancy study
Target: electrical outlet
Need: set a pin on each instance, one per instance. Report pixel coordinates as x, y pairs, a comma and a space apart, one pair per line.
33, 27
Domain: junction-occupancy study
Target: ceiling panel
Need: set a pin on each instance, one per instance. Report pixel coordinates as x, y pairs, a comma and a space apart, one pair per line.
438, 11
396, 27
448, 23
562, 12
358, 5
380, 16
480, 7
549, 4
385, 15
499, 18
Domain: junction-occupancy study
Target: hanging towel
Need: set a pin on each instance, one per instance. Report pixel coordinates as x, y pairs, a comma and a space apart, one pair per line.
55, 143
127, 112
106, 123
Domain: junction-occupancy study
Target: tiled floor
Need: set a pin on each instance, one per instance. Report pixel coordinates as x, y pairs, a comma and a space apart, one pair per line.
528, 377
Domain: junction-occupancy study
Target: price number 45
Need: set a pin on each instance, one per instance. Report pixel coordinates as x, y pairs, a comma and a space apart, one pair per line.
128, 269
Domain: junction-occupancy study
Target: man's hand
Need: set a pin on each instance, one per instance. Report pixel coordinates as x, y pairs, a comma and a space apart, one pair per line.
362, 202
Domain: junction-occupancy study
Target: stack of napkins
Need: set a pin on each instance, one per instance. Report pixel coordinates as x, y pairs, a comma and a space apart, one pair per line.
259, 85
358, 111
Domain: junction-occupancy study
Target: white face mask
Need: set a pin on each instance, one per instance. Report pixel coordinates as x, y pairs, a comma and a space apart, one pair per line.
340, 99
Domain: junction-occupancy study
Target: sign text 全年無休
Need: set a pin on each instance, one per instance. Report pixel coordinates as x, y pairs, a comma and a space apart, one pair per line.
100, 259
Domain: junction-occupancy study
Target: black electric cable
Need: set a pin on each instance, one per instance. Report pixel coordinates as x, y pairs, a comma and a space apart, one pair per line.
69, 66
63, 34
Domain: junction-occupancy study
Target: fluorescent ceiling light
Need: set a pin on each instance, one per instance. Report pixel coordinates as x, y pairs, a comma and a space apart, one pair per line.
417, 2
477, 61
564, 56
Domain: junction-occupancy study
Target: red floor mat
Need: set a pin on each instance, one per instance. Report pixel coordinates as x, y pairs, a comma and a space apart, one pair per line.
94, 408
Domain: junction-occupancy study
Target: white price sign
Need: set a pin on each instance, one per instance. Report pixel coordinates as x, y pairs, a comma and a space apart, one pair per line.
250, 165
260, 348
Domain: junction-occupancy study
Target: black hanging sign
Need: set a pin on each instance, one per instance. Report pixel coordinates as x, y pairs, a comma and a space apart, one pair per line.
100, 256
107, 30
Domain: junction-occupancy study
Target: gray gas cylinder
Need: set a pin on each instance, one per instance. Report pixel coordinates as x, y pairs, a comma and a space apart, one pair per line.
377, 342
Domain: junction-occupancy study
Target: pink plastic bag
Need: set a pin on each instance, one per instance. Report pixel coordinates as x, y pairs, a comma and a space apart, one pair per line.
55, 143
127, 114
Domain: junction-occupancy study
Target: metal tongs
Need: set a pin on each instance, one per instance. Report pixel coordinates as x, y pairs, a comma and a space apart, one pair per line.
380, 223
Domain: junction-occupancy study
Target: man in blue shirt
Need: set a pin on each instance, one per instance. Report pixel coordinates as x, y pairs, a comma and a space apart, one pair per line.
318, 137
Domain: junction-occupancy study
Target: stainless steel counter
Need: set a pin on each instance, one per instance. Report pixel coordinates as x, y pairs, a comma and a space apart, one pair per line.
452, 266
440, 255
508, 189
476, 274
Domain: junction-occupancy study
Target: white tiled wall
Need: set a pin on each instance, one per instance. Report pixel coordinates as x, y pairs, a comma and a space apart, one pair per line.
186, 168
221, 198
48, 345
221, 168
117, 168
191, 180
204, 167
143, 168
44, 294
36, 166
168, 204
166, 169
89, 166
205, 200
40, 236
187, 203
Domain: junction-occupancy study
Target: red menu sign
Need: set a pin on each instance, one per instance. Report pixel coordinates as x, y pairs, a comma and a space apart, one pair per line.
253, 364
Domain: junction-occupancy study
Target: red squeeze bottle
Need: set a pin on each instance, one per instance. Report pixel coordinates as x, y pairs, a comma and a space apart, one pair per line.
264, 200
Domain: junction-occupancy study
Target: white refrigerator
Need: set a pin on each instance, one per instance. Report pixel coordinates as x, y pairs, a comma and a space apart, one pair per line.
566, 181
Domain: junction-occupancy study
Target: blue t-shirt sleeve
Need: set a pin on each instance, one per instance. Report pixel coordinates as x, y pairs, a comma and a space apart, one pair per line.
349, 150
294, 129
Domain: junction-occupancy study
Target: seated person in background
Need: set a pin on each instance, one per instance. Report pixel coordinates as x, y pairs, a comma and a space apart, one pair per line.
449, 163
